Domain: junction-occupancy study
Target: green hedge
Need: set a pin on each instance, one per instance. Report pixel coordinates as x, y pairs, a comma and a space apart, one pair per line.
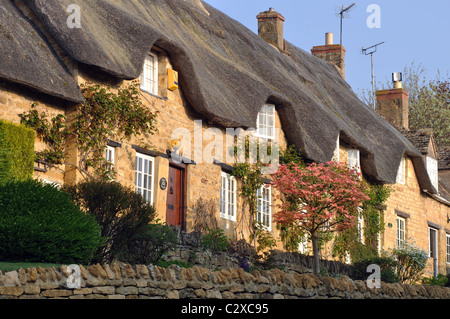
40, 223
16, 152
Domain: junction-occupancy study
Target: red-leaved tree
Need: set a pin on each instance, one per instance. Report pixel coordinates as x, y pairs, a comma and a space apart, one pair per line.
319, 198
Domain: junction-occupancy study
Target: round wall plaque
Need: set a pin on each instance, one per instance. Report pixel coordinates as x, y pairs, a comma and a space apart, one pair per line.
163, 183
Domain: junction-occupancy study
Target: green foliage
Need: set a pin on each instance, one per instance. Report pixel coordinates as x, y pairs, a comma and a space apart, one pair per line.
215, 240
387, 267
119, 210
16, 152
105, 114
264, 238
349, 241
440, 280
150, 243
411, 262
39, 223
291, 156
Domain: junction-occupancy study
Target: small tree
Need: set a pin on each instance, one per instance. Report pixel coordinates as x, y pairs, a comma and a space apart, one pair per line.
319, 198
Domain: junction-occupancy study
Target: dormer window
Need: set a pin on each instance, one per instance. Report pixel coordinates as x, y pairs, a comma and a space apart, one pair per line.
265, 126
432, 168
353, 160
401, 173
149, 76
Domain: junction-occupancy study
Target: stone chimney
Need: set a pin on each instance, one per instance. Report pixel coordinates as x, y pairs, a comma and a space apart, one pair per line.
393, 104
333, 53
270, 28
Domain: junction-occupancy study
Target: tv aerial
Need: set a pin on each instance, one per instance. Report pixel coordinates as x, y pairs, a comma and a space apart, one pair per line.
370, 51
343, 12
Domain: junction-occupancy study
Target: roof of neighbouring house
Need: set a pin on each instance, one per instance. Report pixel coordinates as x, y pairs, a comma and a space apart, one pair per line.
421, 139
226, 72
444, 158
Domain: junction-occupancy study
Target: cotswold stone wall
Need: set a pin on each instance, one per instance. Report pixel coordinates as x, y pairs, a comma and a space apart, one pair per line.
124, 281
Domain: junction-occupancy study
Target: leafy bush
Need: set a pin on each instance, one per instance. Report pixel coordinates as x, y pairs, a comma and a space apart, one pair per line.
215, 240
149, 244
120, 212
387, 267
39, 223
16, 152
411, 262
440, 280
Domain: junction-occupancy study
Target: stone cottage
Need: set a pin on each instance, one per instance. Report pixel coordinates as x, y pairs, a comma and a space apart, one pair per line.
208, 76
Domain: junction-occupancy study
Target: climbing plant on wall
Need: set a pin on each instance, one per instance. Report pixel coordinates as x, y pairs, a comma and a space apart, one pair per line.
107, 113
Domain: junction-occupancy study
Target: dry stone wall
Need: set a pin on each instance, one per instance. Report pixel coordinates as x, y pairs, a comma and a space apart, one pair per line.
124, 281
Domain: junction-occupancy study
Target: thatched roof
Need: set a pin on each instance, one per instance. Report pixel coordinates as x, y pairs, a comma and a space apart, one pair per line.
226, 73
28, 59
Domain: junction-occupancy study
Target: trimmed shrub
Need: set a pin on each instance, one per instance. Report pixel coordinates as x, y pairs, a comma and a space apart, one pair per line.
39, 223
16, 152
119, 210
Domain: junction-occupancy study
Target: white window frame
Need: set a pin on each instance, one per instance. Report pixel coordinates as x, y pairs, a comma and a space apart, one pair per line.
447, 237
401, 231
361, 225
144, 186
149, 75
265, 123
432, 169
353, 159
336, 156
110, 155
401, 173
264, 206
228, 206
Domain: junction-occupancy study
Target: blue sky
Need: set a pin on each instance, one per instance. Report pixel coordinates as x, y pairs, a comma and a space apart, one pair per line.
413, 31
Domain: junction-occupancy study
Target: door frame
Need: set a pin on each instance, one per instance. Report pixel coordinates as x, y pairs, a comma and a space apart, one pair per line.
183, 205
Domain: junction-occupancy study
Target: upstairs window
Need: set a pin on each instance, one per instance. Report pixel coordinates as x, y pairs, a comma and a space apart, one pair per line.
432, 168
149, 76
353, 160
401, 173
265, 126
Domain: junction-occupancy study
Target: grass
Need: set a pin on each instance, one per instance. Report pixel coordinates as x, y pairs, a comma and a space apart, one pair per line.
10, 266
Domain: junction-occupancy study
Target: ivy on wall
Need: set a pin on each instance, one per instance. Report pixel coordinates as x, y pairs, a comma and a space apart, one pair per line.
16, 152
107, 113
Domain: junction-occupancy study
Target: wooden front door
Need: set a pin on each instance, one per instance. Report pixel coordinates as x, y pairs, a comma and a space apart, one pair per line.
175, 197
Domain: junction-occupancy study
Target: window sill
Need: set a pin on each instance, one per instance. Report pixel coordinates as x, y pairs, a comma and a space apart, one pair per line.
154, 95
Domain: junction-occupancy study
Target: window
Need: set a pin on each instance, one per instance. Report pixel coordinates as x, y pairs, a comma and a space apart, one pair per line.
401, 222
149, 76
361, 225
264, 209
401, 173
110, 156
448, 248
432, 168
265, 126
144, 175
336, 157
353, 159
228, 197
